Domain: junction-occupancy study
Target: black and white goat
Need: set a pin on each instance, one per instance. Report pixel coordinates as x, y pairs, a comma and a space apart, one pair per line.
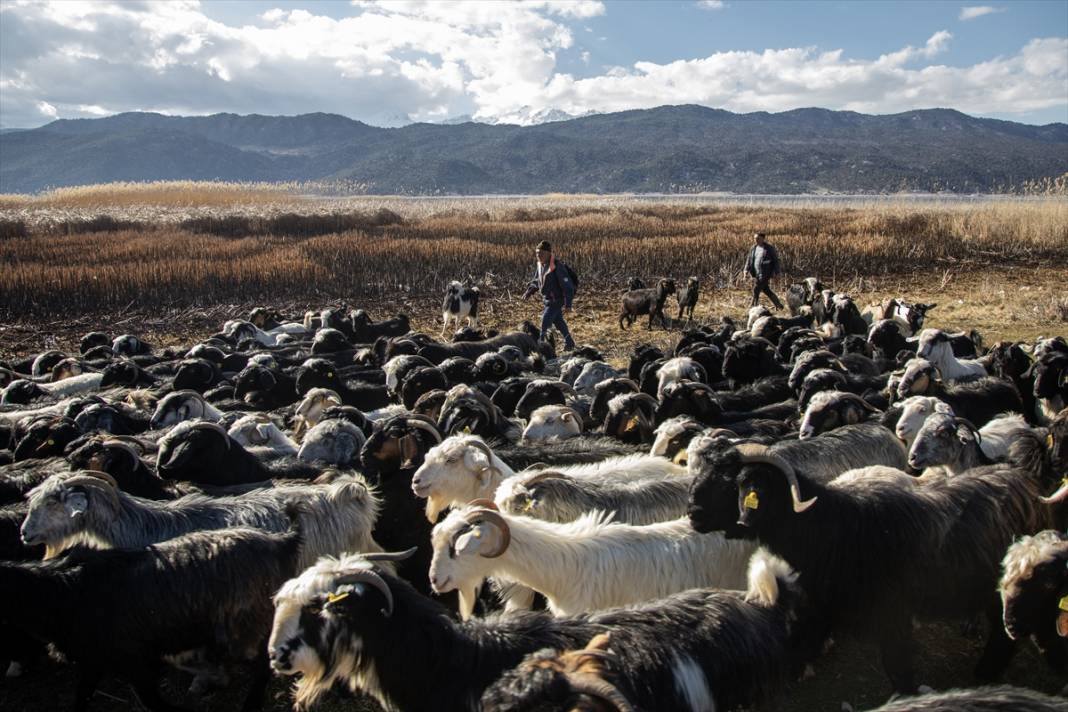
701, 650
461, 302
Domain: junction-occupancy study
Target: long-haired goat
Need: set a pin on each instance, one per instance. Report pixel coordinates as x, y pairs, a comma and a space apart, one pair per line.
585, 565
1034, 594
88, 508
928, 551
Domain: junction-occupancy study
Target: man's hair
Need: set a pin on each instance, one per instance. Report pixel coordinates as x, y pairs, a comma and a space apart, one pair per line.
545, 246
759, 234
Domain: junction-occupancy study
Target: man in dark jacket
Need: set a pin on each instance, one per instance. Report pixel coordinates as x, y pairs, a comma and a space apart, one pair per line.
553, 280
762, 263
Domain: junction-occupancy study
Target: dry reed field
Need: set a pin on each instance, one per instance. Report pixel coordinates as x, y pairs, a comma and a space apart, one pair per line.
185, 248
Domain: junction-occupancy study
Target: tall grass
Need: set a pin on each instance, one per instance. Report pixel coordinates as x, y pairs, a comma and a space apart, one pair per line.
57, 268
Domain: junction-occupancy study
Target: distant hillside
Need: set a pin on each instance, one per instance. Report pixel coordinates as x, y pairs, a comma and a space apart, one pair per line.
667, 149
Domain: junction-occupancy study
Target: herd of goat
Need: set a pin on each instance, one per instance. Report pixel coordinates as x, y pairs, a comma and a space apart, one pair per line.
480, 524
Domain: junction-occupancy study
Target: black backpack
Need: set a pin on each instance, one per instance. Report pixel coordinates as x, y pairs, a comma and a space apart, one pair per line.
570, 275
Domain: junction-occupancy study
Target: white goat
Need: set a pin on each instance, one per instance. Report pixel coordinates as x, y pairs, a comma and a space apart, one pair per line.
463, 468
552, 422
914, 411
593, 373
585, 565
935, 347
310, 409
259, 434
677, 369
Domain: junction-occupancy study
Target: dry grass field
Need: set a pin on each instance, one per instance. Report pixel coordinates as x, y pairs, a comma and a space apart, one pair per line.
161, 259
171, 262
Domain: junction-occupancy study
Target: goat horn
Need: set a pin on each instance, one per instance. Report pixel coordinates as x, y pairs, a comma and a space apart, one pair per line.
1059, 496
485, 449
366, 576
970, 425
99, 480
125, 447
484, 503
542, 476
594, 686
753, 453
390, 555
206, 425
646, 398
420, 424
491, 516
126, 440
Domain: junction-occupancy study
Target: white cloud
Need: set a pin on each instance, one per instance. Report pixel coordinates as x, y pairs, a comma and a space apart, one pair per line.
970, 12
711, 4
397, 61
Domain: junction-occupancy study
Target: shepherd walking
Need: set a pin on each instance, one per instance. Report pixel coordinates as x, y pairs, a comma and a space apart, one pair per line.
557, 283
762, 263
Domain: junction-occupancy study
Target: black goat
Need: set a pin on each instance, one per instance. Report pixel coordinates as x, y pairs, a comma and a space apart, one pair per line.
688, 296
646, 301
436, 353
928, 550
121, 611
320, 373
366, 331
1034, 585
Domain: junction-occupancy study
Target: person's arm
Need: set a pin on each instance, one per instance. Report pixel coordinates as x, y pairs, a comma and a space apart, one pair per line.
749, 267
532, 286
566, 287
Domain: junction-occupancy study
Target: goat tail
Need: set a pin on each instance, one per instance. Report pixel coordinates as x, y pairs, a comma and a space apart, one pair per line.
767, 575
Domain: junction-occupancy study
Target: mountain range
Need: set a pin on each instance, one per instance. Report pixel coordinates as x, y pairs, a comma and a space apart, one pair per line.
667, 149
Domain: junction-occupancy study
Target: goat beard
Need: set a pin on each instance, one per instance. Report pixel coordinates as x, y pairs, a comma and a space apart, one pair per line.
434, 505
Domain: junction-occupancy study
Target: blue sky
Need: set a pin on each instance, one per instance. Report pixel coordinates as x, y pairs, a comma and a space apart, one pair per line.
390, 63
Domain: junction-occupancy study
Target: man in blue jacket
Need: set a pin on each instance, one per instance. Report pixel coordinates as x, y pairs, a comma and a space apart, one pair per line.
553, 279
762, 263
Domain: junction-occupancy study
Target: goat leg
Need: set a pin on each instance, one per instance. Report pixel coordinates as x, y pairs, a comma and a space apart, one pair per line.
999, 647
897, 650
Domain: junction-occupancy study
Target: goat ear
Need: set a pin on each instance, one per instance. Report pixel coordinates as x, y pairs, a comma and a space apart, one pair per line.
76, 504
470, 541
264, 431
567, 417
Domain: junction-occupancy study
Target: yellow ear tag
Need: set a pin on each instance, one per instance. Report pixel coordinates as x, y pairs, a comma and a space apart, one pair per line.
1063, 604
1049, 440
335, 597
528, 506
751, 500
632, 423
476, 534
466, 430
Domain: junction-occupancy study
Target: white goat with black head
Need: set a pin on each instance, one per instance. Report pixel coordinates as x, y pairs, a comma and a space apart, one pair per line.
935, 346
460, 303
589, 564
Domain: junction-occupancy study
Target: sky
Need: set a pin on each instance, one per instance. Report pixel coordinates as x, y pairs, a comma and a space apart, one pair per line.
396, 62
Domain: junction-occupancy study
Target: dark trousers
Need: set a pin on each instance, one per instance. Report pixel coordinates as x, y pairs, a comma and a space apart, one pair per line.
553, 315
761, 285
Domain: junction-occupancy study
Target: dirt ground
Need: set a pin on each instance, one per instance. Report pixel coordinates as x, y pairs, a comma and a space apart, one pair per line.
1001, 303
